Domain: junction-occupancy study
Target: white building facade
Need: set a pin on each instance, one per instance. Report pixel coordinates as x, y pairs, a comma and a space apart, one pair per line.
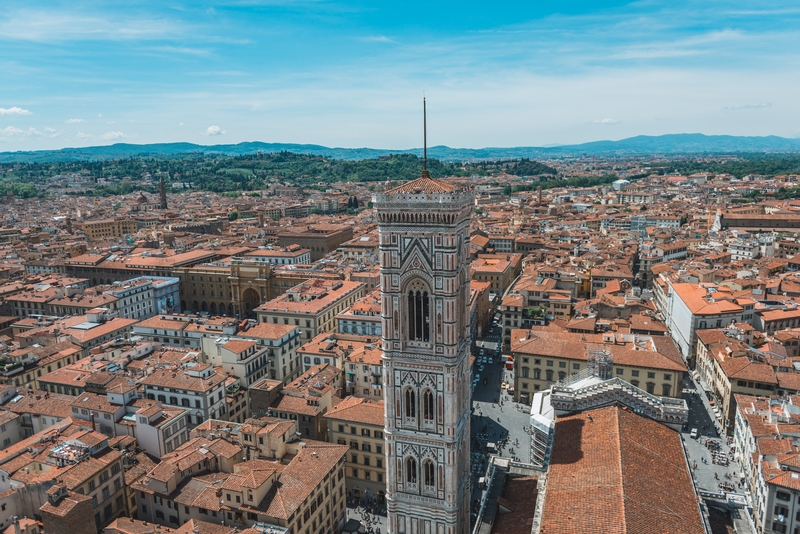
425, 281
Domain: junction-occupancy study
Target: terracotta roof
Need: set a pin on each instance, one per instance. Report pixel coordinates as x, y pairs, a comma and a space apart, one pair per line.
128, 525
701, 302
423, 184
600, 477
64, 506
358, 410
744, 369
302, 477
518, 504
574, 346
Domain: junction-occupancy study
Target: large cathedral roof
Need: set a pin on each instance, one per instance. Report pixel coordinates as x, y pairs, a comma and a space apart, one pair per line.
424, 184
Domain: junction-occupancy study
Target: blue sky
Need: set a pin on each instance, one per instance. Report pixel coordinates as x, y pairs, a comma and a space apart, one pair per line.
353, 73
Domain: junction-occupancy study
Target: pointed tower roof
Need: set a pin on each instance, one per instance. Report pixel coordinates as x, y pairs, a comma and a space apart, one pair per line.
423, 184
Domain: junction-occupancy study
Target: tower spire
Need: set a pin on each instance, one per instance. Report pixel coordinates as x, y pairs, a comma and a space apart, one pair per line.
424, 139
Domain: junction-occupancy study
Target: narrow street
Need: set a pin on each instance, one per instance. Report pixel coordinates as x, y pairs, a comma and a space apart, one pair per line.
498, 424
708, 445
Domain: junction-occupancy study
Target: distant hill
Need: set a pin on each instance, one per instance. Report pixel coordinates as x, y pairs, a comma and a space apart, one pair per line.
639, 145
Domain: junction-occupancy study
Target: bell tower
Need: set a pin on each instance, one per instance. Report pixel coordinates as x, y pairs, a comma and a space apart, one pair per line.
162, 193
424, 258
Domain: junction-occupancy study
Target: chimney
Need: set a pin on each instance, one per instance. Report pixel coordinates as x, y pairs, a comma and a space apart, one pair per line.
16, 525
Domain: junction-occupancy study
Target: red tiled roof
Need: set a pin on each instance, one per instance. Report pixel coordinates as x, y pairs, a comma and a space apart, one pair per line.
601, 477
423, 184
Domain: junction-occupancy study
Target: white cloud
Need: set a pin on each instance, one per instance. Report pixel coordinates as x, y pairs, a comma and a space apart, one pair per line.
377, 39
48, 25
110, 122
606, 121
113, 135
10, 132
99, 115
213, 130
74, 121
180, 124
749, 106
14, 111
108, 136
181, 50
52, 132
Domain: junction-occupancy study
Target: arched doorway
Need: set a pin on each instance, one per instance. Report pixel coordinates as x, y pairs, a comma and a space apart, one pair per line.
250, 300
213, 308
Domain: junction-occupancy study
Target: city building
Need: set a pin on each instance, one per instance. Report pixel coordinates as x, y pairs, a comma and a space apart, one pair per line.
107, 228
692, 307
319, 238
312, 305
196, 387
358, 423
542, 358
363, 317
425, 282
290, 255
363, 371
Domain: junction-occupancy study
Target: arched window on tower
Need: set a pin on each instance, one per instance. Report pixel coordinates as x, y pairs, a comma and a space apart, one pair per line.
419, 315
411, 470
428, 406
429, 474
411, 404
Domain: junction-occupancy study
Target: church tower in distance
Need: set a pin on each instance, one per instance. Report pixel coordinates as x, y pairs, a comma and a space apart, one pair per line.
162, 193
425, 283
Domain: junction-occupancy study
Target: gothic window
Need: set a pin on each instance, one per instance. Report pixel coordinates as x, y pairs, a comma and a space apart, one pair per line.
427, 406
428, 473
419, 315
410, 402
411, 471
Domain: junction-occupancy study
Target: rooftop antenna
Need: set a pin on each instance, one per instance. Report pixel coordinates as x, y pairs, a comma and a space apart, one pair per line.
424, 139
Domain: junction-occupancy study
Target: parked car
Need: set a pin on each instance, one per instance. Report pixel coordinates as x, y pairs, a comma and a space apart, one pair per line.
693, 434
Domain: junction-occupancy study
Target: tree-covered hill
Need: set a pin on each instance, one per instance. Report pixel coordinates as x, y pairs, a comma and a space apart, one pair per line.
245, 173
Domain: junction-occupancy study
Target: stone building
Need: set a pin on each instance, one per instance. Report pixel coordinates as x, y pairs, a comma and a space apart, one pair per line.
425, 279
